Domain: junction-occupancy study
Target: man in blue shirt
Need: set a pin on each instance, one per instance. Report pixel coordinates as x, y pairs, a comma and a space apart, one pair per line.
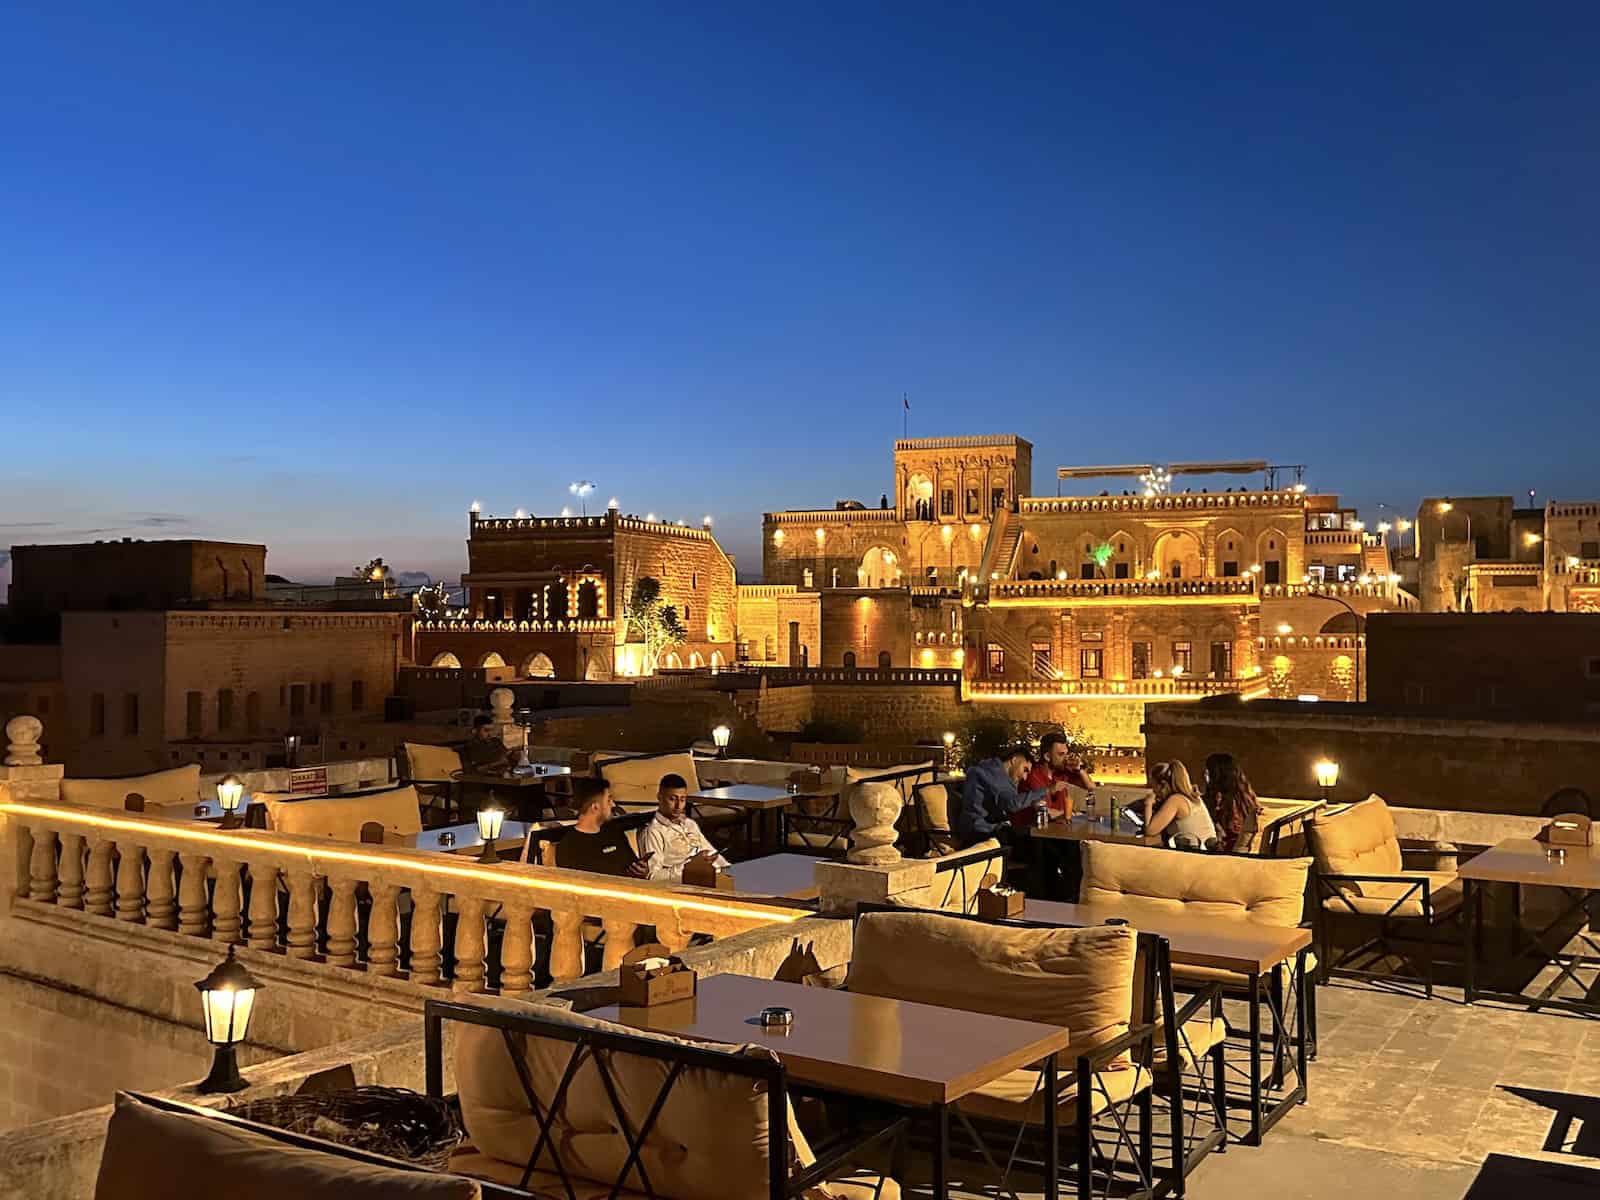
990, 796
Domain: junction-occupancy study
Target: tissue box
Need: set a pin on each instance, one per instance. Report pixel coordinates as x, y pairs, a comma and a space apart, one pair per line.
994, 905
705, 874
1570, 829
641, 986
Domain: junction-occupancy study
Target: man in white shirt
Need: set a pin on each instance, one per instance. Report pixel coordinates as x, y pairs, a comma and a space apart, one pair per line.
673, 838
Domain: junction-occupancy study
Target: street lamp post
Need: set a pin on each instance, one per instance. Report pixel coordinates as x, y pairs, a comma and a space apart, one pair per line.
1344, 604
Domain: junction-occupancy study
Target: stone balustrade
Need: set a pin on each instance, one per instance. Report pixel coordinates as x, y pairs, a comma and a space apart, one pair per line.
1128, 689
1242, 589
379, 909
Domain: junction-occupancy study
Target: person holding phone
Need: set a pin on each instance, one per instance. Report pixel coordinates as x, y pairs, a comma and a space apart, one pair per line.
1175, 810
594, 844
673, 839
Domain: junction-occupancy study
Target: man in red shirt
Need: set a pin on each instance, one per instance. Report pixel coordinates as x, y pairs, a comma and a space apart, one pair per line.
1057, 763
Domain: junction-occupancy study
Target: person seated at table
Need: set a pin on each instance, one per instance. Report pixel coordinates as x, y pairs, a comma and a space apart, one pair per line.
1232, 801
485, 753
593, 844
673, 837
1058, 762
1174, 810
990, 798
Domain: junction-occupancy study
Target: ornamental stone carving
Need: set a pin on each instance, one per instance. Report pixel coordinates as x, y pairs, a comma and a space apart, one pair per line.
22, 736
874, 807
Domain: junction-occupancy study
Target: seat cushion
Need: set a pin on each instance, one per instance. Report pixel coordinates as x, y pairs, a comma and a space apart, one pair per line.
635, 781
151, 1154
1199, 1035
1359, 840
935, 801
1146, 881
179, 785
1078, 978
1018, 1095
431, 764
1376, 899
341, 817
956, 889
471, 1161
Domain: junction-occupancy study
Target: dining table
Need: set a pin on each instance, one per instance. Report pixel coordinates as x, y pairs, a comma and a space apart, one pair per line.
759, 804
913, 1056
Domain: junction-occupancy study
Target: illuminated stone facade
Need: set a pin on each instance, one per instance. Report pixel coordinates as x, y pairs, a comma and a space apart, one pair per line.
1482, 554
546, 596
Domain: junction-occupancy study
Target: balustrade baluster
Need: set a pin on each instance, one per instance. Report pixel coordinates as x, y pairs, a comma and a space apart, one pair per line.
193, 904
566, 945
516, 949
263, 906
342, 923
130, 882
225, 902
70, 871
383, 931
619, 940
98, 896
42, 867
302, 937
162, 908
425, 937
470, 945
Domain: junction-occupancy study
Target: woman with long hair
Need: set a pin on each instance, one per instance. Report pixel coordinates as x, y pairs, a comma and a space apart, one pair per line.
1175, 810
1232, 802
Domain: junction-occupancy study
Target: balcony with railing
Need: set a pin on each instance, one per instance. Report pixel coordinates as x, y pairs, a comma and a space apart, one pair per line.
507, 625
1165, 688
1287, 501
1241, 589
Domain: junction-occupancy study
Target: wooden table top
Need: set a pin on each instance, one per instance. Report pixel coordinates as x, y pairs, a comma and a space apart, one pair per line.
745, 795
1080, 830
1226, 943
468, 839
522, 780
1523, 860
790, 875
865, 1045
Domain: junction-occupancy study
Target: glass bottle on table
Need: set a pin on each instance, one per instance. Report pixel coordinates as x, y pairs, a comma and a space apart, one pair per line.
1088, 808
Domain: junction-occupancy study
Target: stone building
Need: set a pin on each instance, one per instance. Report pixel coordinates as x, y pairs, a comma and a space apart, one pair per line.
1483, 554
133, 574
547, 597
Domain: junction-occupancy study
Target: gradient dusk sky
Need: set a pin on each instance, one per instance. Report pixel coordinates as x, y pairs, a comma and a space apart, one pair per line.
319, 275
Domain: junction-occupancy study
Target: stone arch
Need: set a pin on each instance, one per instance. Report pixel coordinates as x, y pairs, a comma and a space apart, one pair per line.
491, 659
850, 658
539, 666
1341, 623
919, 498
1124, 549
1272, 552
595, 670
1343, 671
695, 661
717, 661
880, 567
555, 601
1230, 546
671, 662
446, 659
885, 661
1177, 555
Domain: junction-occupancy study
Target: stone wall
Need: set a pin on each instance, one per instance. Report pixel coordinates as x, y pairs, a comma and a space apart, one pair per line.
1412, 761
766, 612
695, 575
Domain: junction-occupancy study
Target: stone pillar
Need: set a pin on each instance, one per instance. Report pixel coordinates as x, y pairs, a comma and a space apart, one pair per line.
512, 735
841, 886
25, 774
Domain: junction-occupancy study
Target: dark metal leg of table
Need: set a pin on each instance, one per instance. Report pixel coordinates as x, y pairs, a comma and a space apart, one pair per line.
1472, 903
1303, 999
1255, 1059
1052, 1134
941, 1152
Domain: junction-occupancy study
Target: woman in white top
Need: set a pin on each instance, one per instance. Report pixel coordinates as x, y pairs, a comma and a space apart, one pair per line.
1176, 810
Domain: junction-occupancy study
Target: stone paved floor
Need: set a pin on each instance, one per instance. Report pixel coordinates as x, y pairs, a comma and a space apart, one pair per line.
1409, 1096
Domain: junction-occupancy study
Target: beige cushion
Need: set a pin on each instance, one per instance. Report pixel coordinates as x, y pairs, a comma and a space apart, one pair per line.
1018, 1095
709, 1140
1359, 840
957, 889
1145, 881
180, 785
341, 818
155, 1155
1078, 978
635, 781
1376, 899
935, 800
1197, 1037
431, 764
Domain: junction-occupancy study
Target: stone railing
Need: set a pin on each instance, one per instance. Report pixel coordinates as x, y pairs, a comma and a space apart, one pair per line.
830, 516
1130, 689
1132, 589
1297, 591
1188, 501
963, 441
913, 676
1335, 537
304, 897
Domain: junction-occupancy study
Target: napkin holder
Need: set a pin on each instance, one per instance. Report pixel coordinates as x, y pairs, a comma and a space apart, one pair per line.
651, 975
1569, 829
704, 873
996, 902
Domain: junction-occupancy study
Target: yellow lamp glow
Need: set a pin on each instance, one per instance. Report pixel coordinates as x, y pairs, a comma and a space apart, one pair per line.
1384, 527
777, 537
1285, 629
1531, 539
720, 736
1402, 525
973, 530
230, 791
1327, 773
822, 535
949, 738
1444, 506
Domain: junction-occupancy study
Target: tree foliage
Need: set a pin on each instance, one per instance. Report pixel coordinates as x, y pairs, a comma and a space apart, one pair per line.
651, 621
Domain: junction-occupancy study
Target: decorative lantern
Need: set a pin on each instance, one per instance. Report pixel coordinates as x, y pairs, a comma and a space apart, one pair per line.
230, 791
291, 749
1327, 773
228, 996
720, 736
490, 820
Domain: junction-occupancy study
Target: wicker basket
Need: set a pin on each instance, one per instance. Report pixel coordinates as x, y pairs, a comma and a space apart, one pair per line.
381, 1120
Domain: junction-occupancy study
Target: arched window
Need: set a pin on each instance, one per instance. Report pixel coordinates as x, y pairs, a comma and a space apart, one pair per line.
539, 666
492, 659
849, 659
884, 661
446, 660
588, 600
555, 602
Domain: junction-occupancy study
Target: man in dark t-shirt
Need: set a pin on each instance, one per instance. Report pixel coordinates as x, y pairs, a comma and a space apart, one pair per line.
594, 844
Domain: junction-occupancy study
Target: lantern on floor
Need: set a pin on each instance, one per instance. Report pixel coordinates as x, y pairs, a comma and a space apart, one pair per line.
230, 792
720, 736
490, 821
228, 996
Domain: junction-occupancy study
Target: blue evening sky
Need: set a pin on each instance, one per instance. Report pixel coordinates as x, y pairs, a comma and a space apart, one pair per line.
321, 274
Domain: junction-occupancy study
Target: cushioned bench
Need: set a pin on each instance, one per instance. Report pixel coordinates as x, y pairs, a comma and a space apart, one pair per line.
341, 817
177, 786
